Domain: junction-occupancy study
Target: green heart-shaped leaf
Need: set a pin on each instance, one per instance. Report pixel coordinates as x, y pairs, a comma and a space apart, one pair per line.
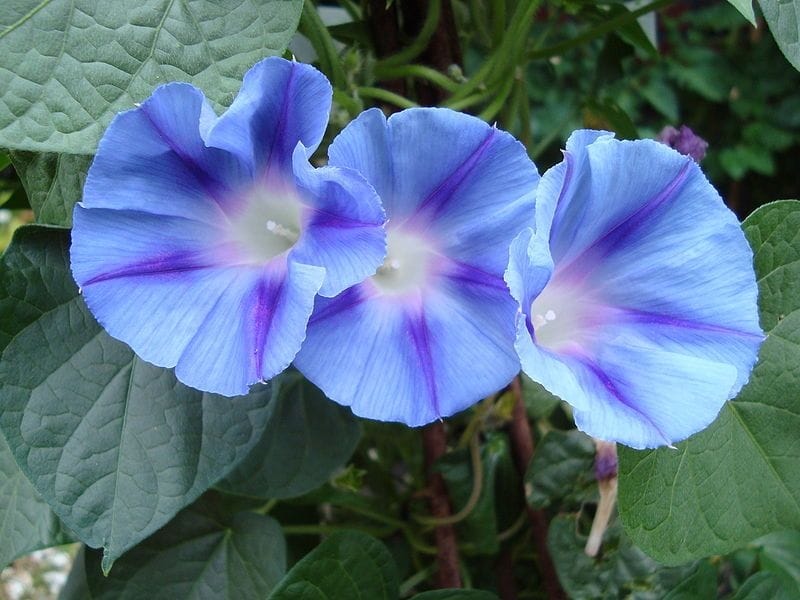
68, 66
114, 445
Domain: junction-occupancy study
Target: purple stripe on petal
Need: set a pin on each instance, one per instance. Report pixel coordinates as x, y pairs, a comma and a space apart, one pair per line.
420, 336
264, 308
347, 300
214, 188
642, 316
323, 218
170, 264
615, 238
616, 393
569, 161
530, 328
285, 154
464, 273
438, 199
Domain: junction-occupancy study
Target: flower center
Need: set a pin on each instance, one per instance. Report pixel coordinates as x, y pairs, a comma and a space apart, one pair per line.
269, 223
563, 316
407, 263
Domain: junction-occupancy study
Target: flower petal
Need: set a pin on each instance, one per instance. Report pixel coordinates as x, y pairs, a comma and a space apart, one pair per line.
279, 104
676, 266
359, 353
253, 331
444, 172
408, 363
471, 329
732, 346
666, 395
563, 181
149, 280
530, 267
641, 396
156, 152
344, 231
433, 331
364, 145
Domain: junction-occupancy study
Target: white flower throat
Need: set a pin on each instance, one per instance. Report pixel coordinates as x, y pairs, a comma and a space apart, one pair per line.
269, 224
407, 264
560, 315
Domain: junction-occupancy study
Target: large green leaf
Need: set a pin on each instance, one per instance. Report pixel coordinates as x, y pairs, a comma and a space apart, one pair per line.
308, 437
738, 479
53, 182
68, 66
783, 17
346, 566
115, 445
202, 554
26, 521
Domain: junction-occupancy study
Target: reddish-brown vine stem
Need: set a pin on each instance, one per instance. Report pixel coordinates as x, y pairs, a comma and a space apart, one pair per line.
522, 448
504, 570
434, 443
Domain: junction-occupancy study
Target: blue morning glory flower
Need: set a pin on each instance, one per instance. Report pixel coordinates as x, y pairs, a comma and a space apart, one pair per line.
637, 292
202, 241
432, 332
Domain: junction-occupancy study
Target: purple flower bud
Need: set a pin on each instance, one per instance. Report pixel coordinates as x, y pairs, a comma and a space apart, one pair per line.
605, 460
605, 470
685, 141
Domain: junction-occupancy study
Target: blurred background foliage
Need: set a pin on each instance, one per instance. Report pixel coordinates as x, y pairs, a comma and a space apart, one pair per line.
582, 63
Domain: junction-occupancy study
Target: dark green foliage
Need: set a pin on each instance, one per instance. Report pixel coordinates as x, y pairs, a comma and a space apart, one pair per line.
779, 553
455, 595
306, 439
205, 552
763, 585
478, 530
621, 570
26, 521
784, 22
561, 469
346, 566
